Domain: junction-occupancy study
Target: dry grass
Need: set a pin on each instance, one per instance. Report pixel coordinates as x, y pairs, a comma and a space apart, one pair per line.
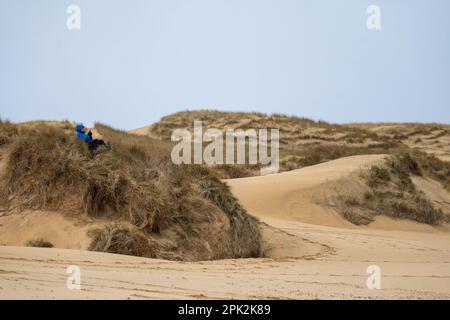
431, 166
220, 119
303, 142
40, 243
306, 142
116, 238
7, 131
390, 191
377, 176
135, 182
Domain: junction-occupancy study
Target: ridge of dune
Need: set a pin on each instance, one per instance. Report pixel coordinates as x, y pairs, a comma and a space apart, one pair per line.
144, 131
140, 131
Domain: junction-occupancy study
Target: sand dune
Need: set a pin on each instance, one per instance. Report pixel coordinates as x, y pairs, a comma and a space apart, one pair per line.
312, 253
295, 194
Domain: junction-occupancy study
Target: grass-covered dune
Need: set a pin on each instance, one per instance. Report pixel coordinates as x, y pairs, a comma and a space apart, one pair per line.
305, 142
388, 189
155, 209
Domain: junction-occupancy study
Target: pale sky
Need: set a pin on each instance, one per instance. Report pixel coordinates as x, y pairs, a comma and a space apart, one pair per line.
135, 61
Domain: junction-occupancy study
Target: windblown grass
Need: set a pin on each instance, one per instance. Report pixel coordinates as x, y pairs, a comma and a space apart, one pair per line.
391, 192
115, 238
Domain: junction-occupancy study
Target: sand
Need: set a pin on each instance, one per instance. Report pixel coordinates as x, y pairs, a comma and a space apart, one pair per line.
144, 131
63, 232
312, 253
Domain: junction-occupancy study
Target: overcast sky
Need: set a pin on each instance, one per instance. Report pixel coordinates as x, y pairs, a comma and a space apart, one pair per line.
134, 61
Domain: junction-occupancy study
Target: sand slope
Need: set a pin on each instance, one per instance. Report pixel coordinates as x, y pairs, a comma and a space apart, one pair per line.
312, 254
296, 194
61, 231
144, 131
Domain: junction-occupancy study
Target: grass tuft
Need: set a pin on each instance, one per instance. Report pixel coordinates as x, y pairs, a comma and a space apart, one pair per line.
391, 192
40, 243
115, 238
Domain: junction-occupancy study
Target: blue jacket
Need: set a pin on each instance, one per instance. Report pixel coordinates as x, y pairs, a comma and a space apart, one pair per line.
81, 135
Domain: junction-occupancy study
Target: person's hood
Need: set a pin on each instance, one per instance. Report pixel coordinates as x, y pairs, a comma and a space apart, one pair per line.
80, 127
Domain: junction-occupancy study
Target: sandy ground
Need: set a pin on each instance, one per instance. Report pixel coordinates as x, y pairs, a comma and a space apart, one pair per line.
312, 254
18, 228
144, 131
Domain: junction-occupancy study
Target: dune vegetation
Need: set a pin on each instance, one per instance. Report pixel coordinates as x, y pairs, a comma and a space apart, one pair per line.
155, 209
39, 242
305, 142
388, 190
147, 206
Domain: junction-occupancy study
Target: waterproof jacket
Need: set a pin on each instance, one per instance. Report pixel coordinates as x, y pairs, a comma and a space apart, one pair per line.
81, 135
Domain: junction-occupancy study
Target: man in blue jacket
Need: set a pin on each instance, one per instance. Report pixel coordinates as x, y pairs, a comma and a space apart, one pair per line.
86, 135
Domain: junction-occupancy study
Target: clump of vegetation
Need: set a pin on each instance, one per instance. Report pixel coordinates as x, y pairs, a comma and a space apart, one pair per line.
219, 193
46, 168
356, 216
40, 243
228, 171
377, 175
116, 238
391, 192
431, 166
7, 131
